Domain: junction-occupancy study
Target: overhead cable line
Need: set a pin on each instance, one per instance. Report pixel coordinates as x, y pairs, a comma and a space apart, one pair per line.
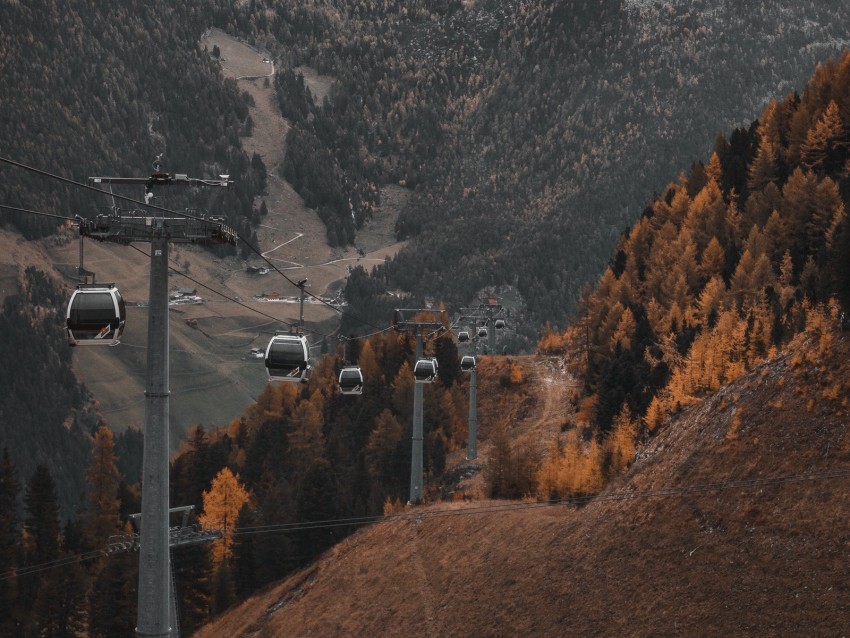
202, 285
569, 501
35, 212
668, 492
59, 562
221, 294
253, 249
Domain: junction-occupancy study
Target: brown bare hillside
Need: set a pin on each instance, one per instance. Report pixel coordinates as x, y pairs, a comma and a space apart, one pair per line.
732, 522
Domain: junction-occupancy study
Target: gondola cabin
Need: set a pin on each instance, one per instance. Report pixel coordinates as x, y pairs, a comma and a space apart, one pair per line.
351, 381
287, 358
96, 315
482, 332
500, 323
467, 363
425, 371
463, 336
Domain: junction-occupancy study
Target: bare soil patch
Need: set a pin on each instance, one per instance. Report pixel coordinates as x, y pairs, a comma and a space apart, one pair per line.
319, 85
531, 412
292, 236
238, 59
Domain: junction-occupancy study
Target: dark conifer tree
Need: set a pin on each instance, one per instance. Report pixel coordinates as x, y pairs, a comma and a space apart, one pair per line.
190, 473
114, 596
448, 361
192, 569
102, 515
244, 563
43, 535
317, 496
274, 554
9, 491
60, 608
224, 593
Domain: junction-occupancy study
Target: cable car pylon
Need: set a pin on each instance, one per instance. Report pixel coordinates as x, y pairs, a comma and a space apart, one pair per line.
154, 588
418, 321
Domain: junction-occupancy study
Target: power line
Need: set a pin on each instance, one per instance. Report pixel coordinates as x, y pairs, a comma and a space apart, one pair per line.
569, 501
206, 287
202, 285
35, 212
257, 252
59, 562
668, 492
188, 216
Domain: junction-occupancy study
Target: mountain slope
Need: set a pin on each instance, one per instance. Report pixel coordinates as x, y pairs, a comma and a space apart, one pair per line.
533, 133
669, 550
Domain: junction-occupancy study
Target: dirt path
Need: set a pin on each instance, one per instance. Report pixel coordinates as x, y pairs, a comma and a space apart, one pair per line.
554, 387
541, 406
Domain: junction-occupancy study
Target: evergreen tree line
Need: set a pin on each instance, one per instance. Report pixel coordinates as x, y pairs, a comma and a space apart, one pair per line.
37, 365
302, 453
307, 453
55, 580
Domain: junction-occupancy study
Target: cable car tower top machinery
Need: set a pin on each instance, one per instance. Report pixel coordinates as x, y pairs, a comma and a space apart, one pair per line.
188, 228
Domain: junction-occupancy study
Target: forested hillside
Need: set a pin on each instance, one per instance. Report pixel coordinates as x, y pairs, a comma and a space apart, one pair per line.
102, 90
724, 269
36, 431
98, 90
712, 355
302, 453
528, 133
729, 523
531, 132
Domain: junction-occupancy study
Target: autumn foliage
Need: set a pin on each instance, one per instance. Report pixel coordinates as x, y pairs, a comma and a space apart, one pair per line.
719, 274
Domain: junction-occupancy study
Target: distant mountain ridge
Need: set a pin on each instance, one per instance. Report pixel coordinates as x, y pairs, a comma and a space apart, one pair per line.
532, 133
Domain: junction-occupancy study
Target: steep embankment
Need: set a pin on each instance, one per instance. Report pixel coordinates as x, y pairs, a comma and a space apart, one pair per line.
732, 521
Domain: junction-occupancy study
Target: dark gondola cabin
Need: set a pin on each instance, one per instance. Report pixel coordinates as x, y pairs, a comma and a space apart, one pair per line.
287, 358
500, 323
425, 371
482, 332
96, 315
467, 363
463, 336
351, 381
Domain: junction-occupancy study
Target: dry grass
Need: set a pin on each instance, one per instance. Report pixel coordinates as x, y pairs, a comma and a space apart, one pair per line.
764, 559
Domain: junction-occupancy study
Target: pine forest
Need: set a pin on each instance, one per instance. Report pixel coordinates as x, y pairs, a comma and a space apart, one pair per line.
662, 187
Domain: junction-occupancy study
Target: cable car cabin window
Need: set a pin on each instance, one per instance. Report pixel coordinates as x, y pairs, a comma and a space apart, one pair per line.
351, 381
95, 317
286, 352
93, 308
286, 359
425, 371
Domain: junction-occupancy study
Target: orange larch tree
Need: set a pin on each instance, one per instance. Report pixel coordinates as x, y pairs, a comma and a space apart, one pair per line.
222, 503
